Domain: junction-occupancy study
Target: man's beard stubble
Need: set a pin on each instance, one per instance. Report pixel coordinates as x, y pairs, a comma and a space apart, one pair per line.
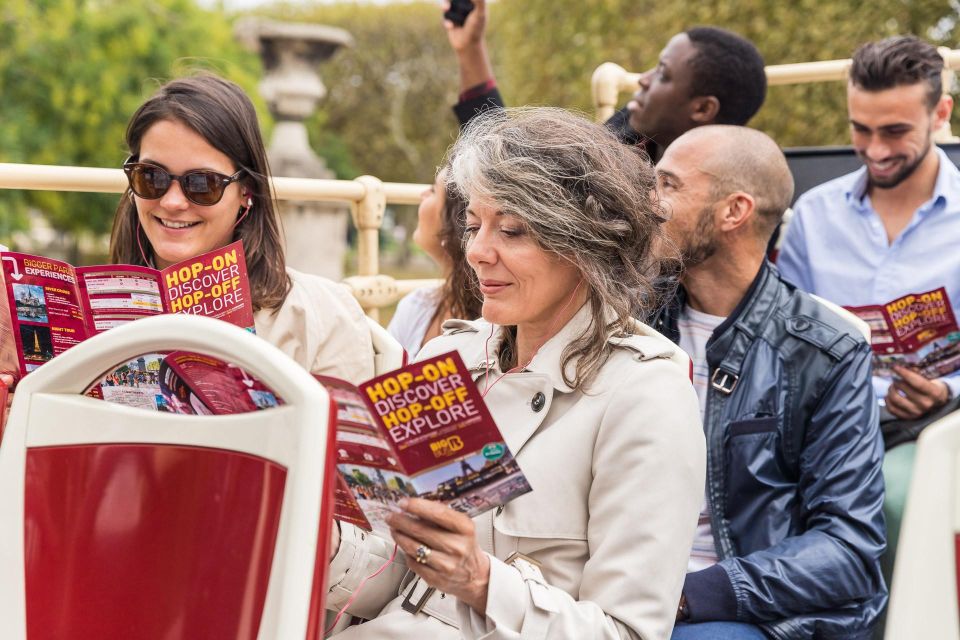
700, 245
904, 173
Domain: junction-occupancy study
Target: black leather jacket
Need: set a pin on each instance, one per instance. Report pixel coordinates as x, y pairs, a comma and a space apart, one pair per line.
794, 477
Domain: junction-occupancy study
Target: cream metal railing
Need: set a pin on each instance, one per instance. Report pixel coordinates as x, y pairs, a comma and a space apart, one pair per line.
610, 79
368, 197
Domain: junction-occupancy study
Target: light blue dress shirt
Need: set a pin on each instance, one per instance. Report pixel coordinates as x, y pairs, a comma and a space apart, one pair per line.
836, 247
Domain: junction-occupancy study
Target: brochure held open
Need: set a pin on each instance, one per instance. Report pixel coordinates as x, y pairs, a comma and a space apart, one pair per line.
54, 305
419, 431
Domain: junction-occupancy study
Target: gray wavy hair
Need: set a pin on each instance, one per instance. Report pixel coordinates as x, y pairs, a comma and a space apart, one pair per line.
581, 195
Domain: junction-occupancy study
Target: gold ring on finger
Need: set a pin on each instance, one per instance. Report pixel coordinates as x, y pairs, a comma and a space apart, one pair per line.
423, 554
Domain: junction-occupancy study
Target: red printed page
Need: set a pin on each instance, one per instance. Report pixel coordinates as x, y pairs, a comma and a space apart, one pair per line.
345, 505
210, 385
918, 330
214, 284
434, 417
115, 294
9, 359
369, 469
45, 310
4, 393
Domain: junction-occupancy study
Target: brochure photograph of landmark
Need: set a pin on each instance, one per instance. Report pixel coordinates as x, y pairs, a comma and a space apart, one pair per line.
37, 345
134, 383
31, 304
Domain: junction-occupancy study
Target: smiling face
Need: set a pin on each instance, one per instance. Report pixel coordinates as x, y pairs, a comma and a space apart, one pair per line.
177, 228
892, 131
521, 284
660, 108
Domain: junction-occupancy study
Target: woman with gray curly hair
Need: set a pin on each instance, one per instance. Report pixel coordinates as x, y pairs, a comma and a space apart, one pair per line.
562, 230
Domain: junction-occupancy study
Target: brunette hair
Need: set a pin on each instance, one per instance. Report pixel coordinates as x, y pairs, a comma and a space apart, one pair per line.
897, 61
223, 115
580, 195
459, 294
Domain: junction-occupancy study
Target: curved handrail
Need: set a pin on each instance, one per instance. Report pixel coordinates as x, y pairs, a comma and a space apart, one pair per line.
367, 196
610, 79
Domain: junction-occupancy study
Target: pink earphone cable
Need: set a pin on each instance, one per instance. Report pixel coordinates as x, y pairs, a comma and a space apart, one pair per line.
143, 254
486, 352
356, 592
246, 210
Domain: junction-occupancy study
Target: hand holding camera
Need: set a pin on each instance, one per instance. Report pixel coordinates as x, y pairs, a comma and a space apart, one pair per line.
465, 22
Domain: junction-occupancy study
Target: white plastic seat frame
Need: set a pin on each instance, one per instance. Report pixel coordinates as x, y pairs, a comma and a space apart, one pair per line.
923, 597
49, 410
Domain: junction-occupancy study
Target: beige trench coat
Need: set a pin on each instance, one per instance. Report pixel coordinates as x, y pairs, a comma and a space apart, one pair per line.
617, 476
322, 327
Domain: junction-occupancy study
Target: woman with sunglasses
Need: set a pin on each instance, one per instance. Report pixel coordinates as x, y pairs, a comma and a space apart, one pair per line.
199, 180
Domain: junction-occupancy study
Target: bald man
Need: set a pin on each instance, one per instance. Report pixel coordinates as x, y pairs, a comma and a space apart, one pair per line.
791, 529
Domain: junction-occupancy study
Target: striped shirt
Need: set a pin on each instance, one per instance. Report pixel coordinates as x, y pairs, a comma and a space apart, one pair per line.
696, 328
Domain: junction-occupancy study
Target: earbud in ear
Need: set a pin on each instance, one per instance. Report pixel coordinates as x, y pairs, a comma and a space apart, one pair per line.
249, 197
249, 202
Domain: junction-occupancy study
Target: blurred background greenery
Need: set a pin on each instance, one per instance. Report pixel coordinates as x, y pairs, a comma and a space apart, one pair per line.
72, 72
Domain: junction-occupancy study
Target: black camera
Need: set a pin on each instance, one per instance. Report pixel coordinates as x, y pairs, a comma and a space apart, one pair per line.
458, 11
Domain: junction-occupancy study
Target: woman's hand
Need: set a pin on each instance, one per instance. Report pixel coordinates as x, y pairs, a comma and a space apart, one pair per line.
454, 563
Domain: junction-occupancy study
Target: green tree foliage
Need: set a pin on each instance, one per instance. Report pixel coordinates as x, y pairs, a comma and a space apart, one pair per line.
388, 109
545, 50
73, 71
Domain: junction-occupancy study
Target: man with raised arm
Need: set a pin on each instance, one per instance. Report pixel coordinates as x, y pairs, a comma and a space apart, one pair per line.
705, 75
888, 230
792, 529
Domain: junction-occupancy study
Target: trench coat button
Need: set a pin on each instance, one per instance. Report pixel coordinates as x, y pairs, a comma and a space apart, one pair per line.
538, 402
802, 324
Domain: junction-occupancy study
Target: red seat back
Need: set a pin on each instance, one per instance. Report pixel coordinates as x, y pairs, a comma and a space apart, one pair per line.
148, 541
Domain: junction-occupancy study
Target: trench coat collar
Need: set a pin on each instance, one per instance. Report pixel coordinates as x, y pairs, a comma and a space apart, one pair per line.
483, 353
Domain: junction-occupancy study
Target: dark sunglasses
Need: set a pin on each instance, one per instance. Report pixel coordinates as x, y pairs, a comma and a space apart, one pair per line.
200, 186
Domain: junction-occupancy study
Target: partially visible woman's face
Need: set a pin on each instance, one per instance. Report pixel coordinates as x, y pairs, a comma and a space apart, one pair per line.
522, 284
430, 219
177, 228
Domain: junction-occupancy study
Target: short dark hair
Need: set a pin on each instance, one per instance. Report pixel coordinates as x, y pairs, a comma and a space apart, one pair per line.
729, 67
898, 61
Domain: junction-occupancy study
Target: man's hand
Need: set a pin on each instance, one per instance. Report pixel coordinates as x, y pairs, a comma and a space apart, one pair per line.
450, 560
913, 396
471, 34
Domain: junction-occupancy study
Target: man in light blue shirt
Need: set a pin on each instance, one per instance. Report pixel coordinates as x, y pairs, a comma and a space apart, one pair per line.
837, 247
889, 229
